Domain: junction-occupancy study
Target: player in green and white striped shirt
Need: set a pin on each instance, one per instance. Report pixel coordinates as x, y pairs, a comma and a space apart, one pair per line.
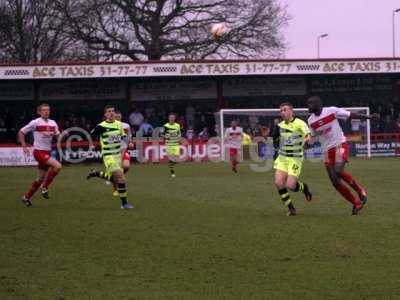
172, 135
111, 134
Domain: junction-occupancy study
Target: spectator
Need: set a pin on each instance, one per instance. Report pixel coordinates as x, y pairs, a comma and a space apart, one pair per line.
136, 119
396, 125
153, 119
83, 122
355, 125
255, 131
190, 134
75, 122
363, 126
149, 112
145, 129
9, 121
161, 116
390, 125
190, 115
391, 111
201, 120
265, 130
217, 129
274, 124
253, 121
203, 135
181, 122
3, 131
382, 123
88, 126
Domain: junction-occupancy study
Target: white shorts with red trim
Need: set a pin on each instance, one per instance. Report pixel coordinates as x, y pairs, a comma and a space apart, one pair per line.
338, 154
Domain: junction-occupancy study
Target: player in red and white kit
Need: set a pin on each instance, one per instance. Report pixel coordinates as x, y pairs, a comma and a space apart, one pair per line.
234, 139
324, 125
126, 158
44, 130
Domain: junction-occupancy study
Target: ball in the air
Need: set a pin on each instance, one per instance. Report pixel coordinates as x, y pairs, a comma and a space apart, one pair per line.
218, 30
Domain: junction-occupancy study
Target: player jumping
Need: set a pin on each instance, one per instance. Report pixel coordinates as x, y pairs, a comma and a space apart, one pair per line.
289, 137
324, 125
111, 134
234, 139
44, 130
172, 136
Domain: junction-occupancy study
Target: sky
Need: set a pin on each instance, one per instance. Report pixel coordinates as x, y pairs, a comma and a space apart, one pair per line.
356, 28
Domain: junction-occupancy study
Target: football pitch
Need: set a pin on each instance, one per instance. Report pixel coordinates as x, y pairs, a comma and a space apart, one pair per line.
206, 234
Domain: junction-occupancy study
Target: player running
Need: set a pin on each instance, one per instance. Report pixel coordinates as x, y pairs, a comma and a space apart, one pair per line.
234, 139
44, 130
111, 135
325, 126
289, 137
172, 136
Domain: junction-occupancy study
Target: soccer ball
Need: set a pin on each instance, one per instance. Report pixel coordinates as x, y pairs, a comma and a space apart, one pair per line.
218, 30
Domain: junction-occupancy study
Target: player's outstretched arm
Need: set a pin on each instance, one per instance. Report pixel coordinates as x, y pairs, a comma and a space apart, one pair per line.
364, 117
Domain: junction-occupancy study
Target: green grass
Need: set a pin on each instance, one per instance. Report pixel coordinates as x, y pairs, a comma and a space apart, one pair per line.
207, 234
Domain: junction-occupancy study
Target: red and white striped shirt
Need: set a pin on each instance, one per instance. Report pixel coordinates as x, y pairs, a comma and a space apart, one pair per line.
127, 129
234, 137
43, 133
326, 126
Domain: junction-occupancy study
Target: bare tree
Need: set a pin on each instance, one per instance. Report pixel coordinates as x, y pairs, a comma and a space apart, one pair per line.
165, 29
31, 32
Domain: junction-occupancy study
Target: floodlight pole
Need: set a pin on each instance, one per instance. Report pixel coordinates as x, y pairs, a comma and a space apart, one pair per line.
318, 43
394, 31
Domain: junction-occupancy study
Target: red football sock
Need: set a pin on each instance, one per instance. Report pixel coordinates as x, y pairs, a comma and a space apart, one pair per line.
34, 186
346, 176
234, 163
49, 178
347, 194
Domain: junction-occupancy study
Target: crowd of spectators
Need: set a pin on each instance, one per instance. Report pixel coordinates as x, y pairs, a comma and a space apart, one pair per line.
16, 115
198, 120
